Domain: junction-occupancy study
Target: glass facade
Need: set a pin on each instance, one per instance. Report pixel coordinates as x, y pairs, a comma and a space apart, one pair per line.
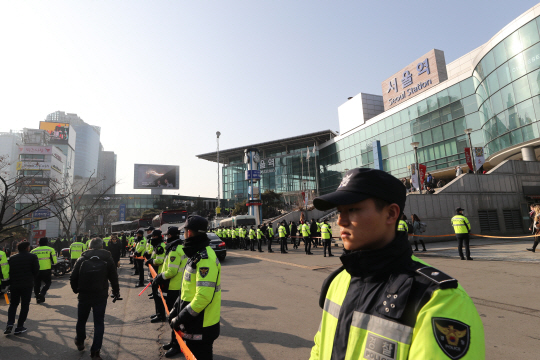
438, 123
282, 171
507, 82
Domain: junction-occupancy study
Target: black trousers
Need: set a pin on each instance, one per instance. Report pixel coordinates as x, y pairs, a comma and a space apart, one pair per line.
463, 239
327, 245
45, 276
252, 244
259, 244
202, 350
158, 303
285, 244
19, 296
140, 269
282, 244
307, 244
171, 297
98, 307
269, 244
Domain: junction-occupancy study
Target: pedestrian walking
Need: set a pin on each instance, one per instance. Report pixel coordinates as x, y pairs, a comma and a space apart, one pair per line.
90, 280
382, 303
115, 248
23, 270
462, 228
417, 230
534, 227
47, 258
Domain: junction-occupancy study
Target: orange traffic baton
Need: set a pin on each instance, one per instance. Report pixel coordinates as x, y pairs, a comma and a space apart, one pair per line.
185, 350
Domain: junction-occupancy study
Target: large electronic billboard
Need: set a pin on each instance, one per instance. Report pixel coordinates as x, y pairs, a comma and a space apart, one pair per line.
59, 131
149, 176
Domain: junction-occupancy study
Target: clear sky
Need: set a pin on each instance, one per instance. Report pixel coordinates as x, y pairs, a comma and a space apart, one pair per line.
161, 77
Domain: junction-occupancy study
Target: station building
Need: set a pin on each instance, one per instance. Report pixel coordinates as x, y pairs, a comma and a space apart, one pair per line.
491, 93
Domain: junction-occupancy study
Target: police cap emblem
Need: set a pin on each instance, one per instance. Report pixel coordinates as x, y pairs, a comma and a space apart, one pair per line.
204, 271
453, 337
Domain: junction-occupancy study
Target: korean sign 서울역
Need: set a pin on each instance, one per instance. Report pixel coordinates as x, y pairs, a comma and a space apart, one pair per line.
420, 75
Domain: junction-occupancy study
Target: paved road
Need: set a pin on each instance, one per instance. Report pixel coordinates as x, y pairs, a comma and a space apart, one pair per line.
270, 307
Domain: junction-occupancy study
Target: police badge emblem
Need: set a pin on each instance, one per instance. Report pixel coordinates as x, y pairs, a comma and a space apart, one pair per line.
173, 258
204, 271
453, 337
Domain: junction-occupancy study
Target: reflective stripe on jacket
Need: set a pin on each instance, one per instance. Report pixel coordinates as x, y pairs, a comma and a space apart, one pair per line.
402, 226
325, 232
461, 224
76, 249
46, 256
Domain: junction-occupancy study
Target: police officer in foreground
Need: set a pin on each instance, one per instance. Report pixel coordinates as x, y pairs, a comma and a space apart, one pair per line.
47, 258
462, 228
76, 249
197, 311
383, 295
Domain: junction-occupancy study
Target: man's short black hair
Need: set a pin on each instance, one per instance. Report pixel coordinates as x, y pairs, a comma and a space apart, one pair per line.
380, 204
23, 246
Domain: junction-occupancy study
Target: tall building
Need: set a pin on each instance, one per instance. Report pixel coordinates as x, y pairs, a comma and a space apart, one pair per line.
87, 145
9, 152
107, 171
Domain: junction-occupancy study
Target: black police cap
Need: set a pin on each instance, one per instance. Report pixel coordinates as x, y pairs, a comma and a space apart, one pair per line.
172, 230
459, 209
140, 232
196, 223
156, 233
150, 228
362, 184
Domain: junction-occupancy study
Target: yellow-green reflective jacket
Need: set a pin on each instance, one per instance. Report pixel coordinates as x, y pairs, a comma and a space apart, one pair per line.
282, 232
318, 227
106, 241
4, 265
251, 234
201, 287
233, 234
76, 249
305, 230
325, 232
173, 269
46, 256
158, 254
461, 224
259, 234
402, 226
141, 246
218, 232
385, 319
271, 231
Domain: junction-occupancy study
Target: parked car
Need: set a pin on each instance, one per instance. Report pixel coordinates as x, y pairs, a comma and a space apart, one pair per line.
216, 244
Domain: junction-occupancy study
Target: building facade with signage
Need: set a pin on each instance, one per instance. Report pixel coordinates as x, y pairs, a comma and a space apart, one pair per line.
491, 94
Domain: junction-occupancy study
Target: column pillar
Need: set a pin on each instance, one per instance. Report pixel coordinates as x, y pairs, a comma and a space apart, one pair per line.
527, 153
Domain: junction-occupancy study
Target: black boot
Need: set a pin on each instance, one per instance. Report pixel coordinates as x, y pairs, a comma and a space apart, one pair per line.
172, 351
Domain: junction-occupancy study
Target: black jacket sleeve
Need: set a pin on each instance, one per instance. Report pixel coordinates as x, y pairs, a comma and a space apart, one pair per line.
35, 265
74, 278
113, 275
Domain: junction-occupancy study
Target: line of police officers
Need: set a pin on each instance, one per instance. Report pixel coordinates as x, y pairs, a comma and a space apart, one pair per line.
189, 277
240, 237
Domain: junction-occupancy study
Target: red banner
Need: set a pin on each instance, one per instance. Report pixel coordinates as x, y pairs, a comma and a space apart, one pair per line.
468, 158
422, 170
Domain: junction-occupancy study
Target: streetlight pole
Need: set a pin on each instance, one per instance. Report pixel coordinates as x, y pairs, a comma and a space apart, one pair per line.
218, 189
415, 147
468, 132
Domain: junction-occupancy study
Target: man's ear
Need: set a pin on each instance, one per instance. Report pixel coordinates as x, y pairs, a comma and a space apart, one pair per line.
394, 212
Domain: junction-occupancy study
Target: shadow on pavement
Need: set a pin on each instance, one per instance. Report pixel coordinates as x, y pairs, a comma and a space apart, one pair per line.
252, 336
245, 305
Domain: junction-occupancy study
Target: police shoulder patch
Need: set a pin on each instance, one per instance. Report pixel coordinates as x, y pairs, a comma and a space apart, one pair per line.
173, 258
453, 336
204, 271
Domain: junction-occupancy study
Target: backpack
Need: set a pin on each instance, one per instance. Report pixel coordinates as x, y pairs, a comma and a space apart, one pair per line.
409, 227
93, 275
423, 227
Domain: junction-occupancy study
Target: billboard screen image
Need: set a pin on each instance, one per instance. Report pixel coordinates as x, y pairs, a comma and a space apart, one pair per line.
59, 131
156, 176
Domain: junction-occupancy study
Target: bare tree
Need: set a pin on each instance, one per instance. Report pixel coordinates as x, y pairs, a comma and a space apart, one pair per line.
21, 196
72, 212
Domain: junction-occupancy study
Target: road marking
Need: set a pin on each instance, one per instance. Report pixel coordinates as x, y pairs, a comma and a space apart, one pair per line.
507, 307
278, 262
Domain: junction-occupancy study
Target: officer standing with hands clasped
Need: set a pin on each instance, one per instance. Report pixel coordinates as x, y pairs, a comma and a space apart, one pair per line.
462, 228
384, 303
197, 311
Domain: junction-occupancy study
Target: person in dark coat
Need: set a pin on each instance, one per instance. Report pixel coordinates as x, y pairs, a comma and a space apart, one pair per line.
23, 268
124, 245
115, 248
93, 292
313, 230
294, 232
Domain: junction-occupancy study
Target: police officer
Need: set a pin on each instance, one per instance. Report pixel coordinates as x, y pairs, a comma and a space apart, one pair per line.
76, 249
462, 228
140, 249
402, 225
382, 295
156, 261
282, 233
170, 280
47, 257
252, 239
270, 235
197, 311
259, 238
326, 235
307, 240
4, 270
